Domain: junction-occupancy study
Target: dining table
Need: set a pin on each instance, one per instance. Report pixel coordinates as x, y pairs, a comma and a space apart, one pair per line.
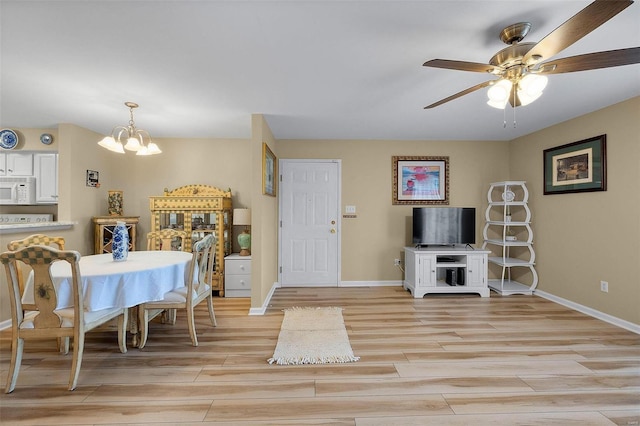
144, 276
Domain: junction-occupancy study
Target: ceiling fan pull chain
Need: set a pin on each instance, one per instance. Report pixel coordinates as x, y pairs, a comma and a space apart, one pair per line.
514, 103
504, 118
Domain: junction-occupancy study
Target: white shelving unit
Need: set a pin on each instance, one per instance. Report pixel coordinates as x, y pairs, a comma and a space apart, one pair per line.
508, 235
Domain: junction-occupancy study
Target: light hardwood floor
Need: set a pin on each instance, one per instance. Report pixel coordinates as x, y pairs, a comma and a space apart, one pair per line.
440, 360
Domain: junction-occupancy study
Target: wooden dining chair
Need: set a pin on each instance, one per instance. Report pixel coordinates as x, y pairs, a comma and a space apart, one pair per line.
48, 321
188, 296
164, 239
33, 240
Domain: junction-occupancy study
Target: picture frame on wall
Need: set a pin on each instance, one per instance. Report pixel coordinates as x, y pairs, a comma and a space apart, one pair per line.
576, 167
269, 171
420, 180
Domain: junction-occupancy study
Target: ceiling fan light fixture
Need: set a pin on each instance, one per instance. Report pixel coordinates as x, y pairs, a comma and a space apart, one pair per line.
530, 88
499, 94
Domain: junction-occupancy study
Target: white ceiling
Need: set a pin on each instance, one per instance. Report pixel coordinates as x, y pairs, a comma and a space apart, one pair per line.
315, 69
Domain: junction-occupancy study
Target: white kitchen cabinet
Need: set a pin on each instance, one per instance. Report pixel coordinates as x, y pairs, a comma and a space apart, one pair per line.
16, 164
46, 173
445, 270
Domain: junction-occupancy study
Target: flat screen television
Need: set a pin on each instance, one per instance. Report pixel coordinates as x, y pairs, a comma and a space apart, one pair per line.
444, 225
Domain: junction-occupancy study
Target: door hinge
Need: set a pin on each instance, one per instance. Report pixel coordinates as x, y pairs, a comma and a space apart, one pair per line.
281, 269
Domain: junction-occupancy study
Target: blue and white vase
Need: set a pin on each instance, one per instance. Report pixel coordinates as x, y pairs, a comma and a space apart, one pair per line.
120, 243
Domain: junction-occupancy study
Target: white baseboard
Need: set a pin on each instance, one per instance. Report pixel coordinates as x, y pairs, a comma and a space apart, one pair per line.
590, 311
261, 310
5, 324
370, 284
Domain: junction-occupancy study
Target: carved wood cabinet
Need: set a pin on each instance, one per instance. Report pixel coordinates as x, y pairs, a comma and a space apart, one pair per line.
200, 209
103, 232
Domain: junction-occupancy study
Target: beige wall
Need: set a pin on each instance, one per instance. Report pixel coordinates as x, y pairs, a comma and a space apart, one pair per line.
583, 238
264, 218
574, 252
381, 230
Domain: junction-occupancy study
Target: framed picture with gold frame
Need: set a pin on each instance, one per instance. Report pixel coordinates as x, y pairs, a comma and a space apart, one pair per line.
269, 171
420, 180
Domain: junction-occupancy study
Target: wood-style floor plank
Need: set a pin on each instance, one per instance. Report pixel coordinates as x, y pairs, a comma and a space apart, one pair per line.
439, 360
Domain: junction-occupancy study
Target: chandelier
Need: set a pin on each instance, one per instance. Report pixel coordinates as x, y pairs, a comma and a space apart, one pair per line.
130, 138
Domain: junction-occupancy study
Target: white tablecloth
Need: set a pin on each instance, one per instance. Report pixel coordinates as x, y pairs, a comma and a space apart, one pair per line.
145, 276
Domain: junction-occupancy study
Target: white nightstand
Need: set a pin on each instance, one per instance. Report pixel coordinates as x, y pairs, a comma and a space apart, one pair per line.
237, 276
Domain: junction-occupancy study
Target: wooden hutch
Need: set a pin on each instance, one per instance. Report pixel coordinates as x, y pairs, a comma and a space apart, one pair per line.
200, 209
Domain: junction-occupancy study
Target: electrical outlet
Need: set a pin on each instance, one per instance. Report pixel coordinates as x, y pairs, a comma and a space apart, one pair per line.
604, 286
396, 262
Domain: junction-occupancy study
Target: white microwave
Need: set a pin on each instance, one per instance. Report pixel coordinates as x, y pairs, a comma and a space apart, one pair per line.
17, 190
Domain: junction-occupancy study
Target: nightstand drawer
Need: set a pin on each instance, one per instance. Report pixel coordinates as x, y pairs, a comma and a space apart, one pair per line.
237, 266
238, 282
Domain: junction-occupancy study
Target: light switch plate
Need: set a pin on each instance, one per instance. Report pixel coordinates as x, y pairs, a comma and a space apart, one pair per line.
350, 209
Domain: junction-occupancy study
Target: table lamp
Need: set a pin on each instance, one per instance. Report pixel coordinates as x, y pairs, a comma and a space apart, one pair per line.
242, 217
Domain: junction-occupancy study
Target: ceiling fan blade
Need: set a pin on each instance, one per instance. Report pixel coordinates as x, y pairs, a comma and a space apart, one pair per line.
461, 66
578, 26
592, 61
459, 94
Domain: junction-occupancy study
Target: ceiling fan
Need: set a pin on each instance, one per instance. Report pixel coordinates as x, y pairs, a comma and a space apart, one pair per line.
521, 68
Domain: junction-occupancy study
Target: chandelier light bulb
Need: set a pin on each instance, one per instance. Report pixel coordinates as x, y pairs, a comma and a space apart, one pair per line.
133, 144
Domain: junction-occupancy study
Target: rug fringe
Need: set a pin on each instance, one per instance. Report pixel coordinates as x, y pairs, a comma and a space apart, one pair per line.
314, 360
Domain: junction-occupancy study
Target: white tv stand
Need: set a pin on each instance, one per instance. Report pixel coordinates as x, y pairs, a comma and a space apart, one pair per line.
426, 270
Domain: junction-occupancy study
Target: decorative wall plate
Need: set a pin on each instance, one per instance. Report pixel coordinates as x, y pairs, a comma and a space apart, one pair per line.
46, 138
508, 196
8, 139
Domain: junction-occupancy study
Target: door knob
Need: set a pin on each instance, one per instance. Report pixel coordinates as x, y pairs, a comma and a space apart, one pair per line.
333, 231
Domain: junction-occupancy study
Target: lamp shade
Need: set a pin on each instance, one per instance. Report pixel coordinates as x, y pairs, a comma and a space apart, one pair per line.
242, 217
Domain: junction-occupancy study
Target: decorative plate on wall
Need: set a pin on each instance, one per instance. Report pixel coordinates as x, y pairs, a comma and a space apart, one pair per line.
508, 196
46, 138
8, 139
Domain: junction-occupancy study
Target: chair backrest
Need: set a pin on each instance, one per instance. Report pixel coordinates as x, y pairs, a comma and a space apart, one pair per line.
33, 240
40, 258
202, 263
164, 239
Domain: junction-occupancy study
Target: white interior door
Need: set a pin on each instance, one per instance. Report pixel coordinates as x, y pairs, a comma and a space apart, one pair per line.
309, 223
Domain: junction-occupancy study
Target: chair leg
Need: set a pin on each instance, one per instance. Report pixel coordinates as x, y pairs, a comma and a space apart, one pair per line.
122, 330
17, 345
143, 326
169, 316
63, 344
191, 323
76, 363
212, 314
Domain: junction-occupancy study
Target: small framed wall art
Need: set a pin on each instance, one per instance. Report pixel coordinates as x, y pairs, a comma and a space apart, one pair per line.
269, 171
576, 167
420, 180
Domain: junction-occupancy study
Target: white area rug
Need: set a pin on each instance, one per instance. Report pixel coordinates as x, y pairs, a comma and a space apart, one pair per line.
310, 335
